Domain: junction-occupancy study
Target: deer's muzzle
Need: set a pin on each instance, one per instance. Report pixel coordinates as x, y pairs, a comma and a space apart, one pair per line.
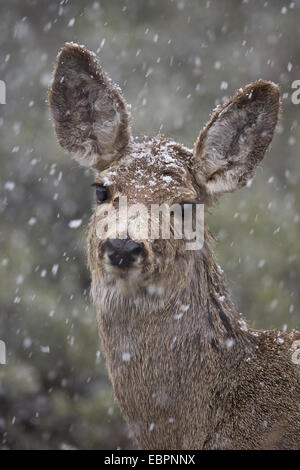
123, 253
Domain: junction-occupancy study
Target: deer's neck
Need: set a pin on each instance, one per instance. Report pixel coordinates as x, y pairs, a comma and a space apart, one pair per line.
166, 352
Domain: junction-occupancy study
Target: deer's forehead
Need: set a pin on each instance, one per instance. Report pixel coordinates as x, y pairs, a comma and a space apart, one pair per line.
151, 171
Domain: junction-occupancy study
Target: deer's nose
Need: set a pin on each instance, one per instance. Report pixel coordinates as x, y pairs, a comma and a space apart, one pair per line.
123, 253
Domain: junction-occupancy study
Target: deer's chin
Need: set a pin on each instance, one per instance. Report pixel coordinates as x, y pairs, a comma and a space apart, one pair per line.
131, 274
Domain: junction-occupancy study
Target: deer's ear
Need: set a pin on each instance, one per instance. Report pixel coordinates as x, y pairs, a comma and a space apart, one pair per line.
90, 116
236, 138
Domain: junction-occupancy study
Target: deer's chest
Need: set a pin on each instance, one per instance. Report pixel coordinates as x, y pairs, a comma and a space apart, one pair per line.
147, 371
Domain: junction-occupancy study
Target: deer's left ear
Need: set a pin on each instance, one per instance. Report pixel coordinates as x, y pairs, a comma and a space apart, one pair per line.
90, 116
236, 138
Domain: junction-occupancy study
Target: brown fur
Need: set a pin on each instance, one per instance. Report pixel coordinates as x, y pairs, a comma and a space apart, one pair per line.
89, 114
187, 371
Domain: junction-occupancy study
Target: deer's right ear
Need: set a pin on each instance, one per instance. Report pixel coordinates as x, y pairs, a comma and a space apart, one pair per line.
90, 116
234, 141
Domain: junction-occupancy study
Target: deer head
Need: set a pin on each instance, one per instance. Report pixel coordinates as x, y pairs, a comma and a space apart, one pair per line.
92, 122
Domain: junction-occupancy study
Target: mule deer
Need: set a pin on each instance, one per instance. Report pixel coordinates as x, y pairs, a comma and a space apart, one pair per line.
187, 371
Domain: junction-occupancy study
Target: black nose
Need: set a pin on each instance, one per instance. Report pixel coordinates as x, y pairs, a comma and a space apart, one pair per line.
123, 253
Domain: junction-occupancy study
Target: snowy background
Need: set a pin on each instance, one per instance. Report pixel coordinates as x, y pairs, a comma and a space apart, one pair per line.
175, 61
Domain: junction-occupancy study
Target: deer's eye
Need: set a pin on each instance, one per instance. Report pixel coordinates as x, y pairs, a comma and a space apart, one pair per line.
101, 193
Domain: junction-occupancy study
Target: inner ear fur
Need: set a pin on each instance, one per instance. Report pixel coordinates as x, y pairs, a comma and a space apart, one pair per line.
90, 116
235, 139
